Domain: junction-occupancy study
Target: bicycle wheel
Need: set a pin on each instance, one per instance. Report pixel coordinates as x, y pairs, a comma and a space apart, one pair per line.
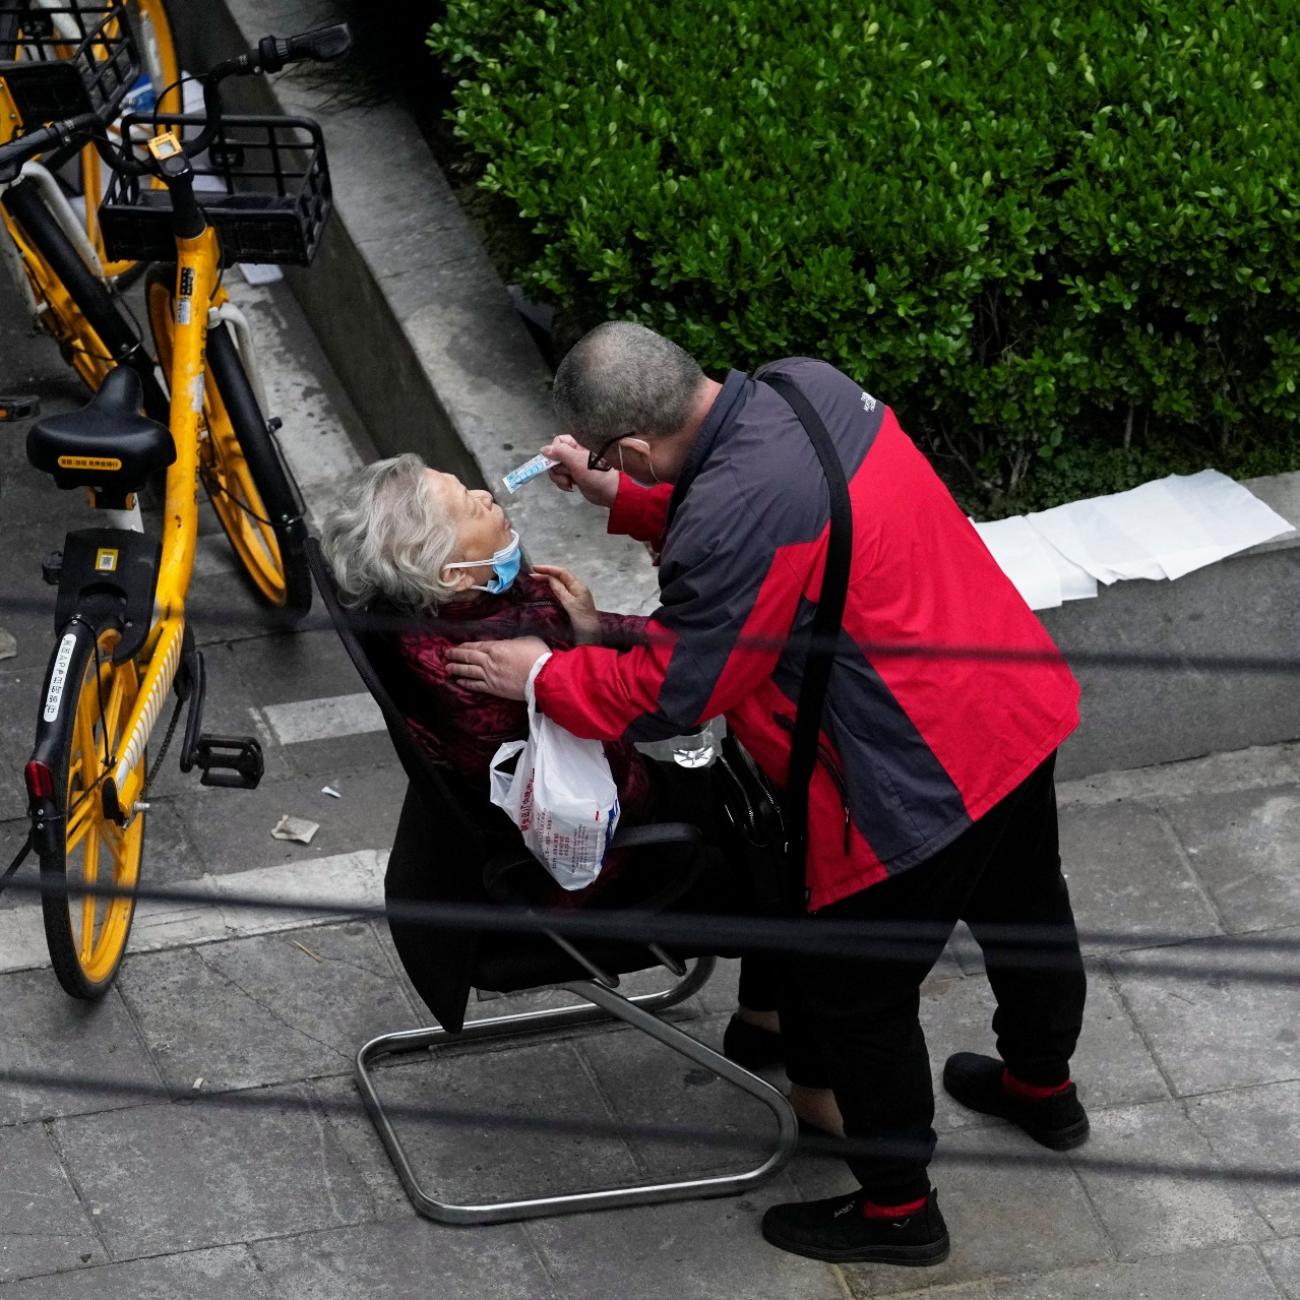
152, 31
86, 935
243, 475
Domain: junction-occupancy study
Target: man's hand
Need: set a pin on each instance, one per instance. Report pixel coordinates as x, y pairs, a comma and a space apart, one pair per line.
578, 602
600, 487
496, 667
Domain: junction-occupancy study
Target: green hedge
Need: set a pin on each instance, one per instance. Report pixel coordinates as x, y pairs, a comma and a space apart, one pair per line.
1062, 247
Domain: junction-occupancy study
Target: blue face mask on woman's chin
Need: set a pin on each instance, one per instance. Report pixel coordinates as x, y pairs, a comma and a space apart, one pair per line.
505, 567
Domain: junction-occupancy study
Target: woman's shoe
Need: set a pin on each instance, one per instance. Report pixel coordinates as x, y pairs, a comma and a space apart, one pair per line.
752, 1046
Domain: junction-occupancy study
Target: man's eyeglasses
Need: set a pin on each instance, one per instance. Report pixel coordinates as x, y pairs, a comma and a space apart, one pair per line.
596, 459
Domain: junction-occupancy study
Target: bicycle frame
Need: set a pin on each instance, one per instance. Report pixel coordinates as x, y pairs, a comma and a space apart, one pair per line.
197, 262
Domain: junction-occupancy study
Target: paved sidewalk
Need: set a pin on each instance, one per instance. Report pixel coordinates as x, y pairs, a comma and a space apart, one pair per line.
101, 1195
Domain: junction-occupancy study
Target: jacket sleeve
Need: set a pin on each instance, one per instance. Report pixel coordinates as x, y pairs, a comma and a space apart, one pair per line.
729, 598
622, 631
640, 512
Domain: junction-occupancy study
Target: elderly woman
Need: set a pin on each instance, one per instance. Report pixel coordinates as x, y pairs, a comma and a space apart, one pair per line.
423, 543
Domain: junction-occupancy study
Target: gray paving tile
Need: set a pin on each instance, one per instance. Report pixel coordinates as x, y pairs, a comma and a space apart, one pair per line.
1238, 769
13, 833
409, 1260
181, 1176
170, 855
1112, 1064
310, 664
1283, 1261
44, 1030
341, 1104
27, 610
197, 1275
721, 993
1127, 875
692, 1250
1245, 846
480, 1159
647, 1083
1261, 1127
1161, 1214
43, 1227
1190, 1275
19, 697
1004, 1220
1212, 1027
264, 1010
231, 829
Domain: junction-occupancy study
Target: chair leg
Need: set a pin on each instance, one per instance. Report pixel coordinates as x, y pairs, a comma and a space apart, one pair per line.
606, 1004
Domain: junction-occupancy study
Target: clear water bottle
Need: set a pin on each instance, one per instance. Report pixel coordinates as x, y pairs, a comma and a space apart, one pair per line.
696, 749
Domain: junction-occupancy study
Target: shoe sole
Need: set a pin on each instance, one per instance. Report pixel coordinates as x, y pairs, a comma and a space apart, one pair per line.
1055, 1139
919, 1256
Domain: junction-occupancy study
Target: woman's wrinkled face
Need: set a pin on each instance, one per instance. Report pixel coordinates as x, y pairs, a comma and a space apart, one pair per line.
481, 525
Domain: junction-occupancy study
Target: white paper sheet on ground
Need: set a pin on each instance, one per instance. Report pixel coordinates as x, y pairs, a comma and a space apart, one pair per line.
1076, 583
1042, 575
1023, 556
1163, 529
1201, 518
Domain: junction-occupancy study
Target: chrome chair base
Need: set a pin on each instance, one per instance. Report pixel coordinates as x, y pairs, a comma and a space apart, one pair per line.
605, 1004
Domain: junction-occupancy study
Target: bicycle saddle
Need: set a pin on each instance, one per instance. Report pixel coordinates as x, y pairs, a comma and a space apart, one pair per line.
107, 444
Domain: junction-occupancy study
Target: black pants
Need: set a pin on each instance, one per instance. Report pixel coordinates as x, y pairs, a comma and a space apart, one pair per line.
853, 1025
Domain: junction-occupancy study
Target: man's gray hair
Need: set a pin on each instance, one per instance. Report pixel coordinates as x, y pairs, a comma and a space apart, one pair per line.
390, 537
621, 379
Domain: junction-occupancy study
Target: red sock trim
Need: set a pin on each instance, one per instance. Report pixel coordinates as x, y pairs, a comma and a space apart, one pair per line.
1029, 1091
872, 1211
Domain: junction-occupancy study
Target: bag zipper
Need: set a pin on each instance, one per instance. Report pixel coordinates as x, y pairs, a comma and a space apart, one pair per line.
827, 760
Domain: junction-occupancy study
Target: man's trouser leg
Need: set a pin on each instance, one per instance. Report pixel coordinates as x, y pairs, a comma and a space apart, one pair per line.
1038, 981
854, 1025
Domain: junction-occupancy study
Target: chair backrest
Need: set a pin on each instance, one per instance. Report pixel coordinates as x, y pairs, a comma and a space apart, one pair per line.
360, 635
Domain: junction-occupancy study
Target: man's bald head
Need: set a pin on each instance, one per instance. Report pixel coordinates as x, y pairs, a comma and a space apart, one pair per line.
622, 379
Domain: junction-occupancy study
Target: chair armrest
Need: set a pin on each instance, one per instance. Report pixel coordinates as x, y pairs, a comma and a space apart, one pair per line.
635, 837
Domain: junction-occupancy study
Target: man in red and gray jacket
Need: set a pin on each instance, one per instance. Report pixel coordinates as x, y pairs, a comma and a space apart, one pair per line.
933, 797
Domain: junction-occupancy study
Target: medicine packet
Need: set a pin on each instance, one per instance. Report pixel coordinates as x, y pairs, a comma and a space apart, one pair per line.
530, 469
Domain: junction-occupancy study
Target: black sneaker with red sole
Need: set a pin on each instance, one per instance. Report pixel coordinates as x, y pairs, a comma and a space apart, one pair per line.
1059, 1121
838, 1231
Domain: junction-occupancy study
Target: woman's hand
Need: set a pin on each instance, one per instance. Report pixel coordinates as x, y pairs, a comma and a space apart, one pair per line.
600, 487
577, 600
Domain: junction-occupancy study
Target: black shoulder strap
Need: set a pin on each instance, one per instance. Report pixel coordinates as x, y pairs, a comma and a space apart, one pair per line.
826, 621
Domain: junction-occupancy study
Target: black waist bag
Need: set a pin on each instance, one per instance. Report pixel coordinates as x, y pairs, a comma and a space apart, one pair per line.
751, 824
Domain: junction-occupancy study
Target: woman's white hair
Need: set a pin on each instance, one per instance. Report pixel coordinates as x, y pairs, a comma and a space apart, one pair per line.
390, 537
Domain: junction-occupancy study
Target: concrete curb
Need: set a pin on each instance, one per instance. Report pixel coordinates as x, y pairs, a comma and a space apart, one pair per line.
409, 309
416, 322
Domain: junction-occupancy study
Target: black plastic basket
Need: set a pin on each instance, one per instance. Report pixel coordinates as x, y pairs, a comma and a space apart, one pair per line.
67, 58
263, 185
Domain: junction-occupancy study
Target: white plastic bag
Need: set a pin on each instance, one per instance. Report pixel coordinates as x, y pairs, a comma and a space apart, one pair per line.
561, 795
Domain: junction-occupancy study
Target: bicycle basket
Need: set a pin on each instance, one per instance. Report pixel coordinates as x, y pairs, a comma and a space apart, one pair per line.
67, 58
262, 184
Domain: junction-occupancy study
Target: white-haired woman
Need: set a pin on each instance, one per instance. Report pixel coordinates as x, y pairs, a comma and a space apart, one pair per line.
423, 544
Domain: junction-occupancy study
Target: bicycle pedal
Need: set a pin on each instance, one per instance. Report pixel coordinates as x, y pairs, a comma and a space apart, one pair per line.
52, 569
18, 408
231, 761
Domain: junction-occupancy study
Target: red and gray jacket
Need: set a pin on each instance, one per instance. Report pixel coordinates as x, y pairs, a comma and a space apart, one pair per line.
916, 743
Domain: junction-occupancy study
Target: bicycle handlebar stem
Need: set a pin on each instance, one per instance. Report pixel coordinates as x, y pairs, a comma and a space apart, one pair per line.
70, 131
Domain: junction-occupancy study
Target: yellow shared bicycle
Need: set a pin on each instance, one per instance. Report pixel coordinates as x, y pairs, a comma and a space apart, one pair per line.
123, 643
54, 54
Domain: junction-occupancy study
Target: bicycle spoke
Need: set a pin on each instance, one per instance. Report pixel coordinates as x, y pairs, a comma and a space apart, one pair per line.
89, 904
113, 709
82, 819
